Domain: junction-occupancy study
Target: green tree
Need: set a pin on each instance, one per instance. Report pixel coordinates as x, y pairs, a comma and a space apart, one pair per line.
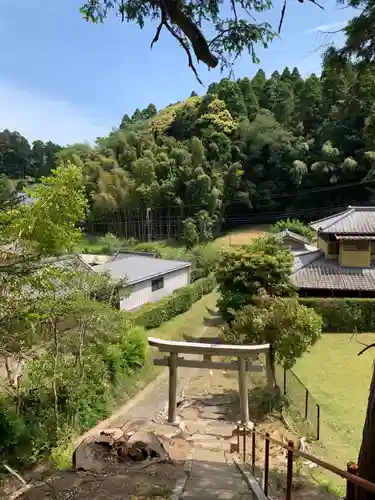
250, 98
6, 191
126, 120
231, 34
290, 328
294, 225
49, 225
190, 234
247, 272
258, 82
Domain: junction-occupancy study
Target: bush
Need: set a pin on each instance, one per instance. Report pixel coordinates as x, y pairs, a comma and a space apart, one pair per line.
152, 315
262, 267
28, 423
127, 355
109, 243
344, 314
294, 225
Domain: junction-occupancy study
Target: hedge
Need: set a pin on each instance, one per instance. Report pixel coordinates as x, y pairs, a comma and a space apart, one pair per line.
344, 314
154, 314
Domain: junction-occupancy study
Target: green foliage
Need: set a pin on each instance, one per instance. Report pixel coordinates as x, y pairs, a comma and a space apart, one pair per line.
109, 243
190, 236
152, 315
344, 314
294, 225
127, 355
238, 152
231, 35
289, 327
6, 191
85, 394
48, 226
263, 267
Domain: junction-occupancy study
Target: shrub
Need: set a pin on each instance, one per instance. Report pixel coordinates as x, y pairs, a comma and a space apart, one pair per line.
28, 422
152, 315
190, 236
287, 325
246, 272
294, 225
14, 434
109, 243
127, 355
344, 314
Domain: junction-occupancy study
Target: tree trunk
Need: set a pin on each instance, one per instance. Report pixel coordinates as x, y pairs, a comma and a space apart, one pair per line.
366, 459
271, 369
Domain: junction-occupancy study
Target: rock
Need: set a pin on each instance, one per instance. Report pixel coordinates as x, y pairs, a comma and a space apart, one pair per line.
218, 400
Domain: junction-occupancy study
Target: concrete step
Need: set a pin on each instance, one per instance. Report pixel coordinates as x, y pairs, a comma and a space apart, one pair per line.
212, 478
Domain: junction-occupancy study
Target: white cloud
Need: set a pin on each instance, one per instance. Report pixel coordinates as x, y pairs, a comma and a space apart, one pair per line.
38, 117
328, 27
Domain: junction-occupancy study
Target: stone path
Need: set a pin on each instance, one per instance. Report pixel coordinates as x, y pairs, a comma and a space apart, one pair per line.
213, 478
212, 472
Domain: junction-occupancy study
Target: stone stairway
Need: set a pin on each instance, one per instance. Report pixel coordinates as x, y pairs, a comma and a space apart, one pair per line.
214, 476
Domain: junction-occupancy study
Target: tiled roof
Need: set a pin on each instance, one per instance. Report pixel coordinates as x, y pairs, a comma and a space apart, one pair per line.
355, 220
140, 268
351, 237
304, 257
292, 235
322, 273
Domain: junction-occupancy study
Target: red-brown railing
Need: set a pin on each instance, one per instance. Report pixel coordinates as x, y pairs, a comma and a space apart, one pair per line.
353, 481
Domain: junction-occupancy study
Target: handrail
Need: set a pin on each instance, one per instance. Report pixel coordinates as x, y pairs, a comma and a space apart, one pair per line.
201, 348
321, 463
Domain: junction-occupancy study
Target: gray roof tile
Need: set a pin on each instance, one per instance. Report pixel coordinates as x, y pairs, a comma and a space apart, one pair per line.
139, 268
355, 220
304, 257
292, 235
322, 273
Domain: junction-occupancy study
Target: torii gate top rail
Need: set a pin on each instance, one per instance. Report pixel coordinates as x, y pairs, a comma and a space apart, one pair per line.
243, 353
211, 349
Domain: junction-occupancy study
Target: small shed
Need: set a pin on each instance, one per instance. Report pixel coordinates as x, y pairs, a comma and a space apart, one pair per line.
293, 241
148, 279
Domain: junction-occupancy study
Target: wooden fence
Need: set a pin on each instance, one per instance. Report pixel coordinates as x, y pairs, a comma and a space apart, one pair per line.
354, 483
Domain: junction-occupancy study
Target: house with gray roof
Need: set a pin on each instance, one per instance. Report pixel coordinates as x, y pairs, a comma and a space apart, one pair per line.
145, 278
343, 264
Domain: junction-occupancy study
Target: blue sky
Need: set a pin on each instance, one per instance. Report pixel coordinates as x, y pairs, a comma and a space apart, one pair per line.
66, 80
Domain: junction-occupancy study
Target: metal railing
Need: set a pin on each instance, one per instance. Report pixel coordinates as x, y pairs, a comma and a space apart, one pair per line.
301, 398
354, 483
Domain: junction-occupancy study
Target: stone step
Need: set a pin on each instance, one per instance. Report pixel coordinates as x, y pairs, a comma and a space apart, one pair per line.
211, 478
210, 443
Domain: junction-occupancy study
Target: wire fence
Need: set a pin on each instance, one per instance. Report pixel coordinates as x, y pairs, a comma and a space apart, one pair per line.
301, 399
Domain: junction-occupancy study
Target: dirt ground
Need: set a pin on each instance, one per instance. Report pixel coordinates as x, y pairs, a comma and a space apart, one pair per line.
242, 236
156, 483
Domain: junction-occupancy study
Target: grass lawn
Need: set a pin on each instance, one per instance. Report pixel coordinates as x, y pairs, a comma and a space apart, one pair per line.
189, 323
93, 244
339, 380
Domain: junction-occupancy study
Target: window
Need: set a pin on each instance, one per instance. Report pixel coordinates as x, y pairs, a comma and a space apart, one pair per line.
157, 284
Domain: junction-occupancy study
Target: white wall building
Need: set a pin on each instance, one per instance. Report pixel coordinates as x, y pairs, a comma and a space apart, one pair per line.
148, 278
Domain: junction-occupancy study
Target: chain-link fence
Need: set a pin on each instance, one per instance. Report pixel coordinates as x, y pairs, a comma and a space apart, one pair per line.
300, 398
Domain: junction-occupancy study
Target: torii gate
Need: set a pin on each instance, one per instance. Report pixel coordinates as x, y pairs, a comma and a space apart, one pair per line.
242, 364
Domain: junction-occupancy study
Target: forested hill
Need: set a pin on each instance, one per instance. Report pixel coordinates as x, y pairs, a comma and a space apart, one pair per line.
248, 150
